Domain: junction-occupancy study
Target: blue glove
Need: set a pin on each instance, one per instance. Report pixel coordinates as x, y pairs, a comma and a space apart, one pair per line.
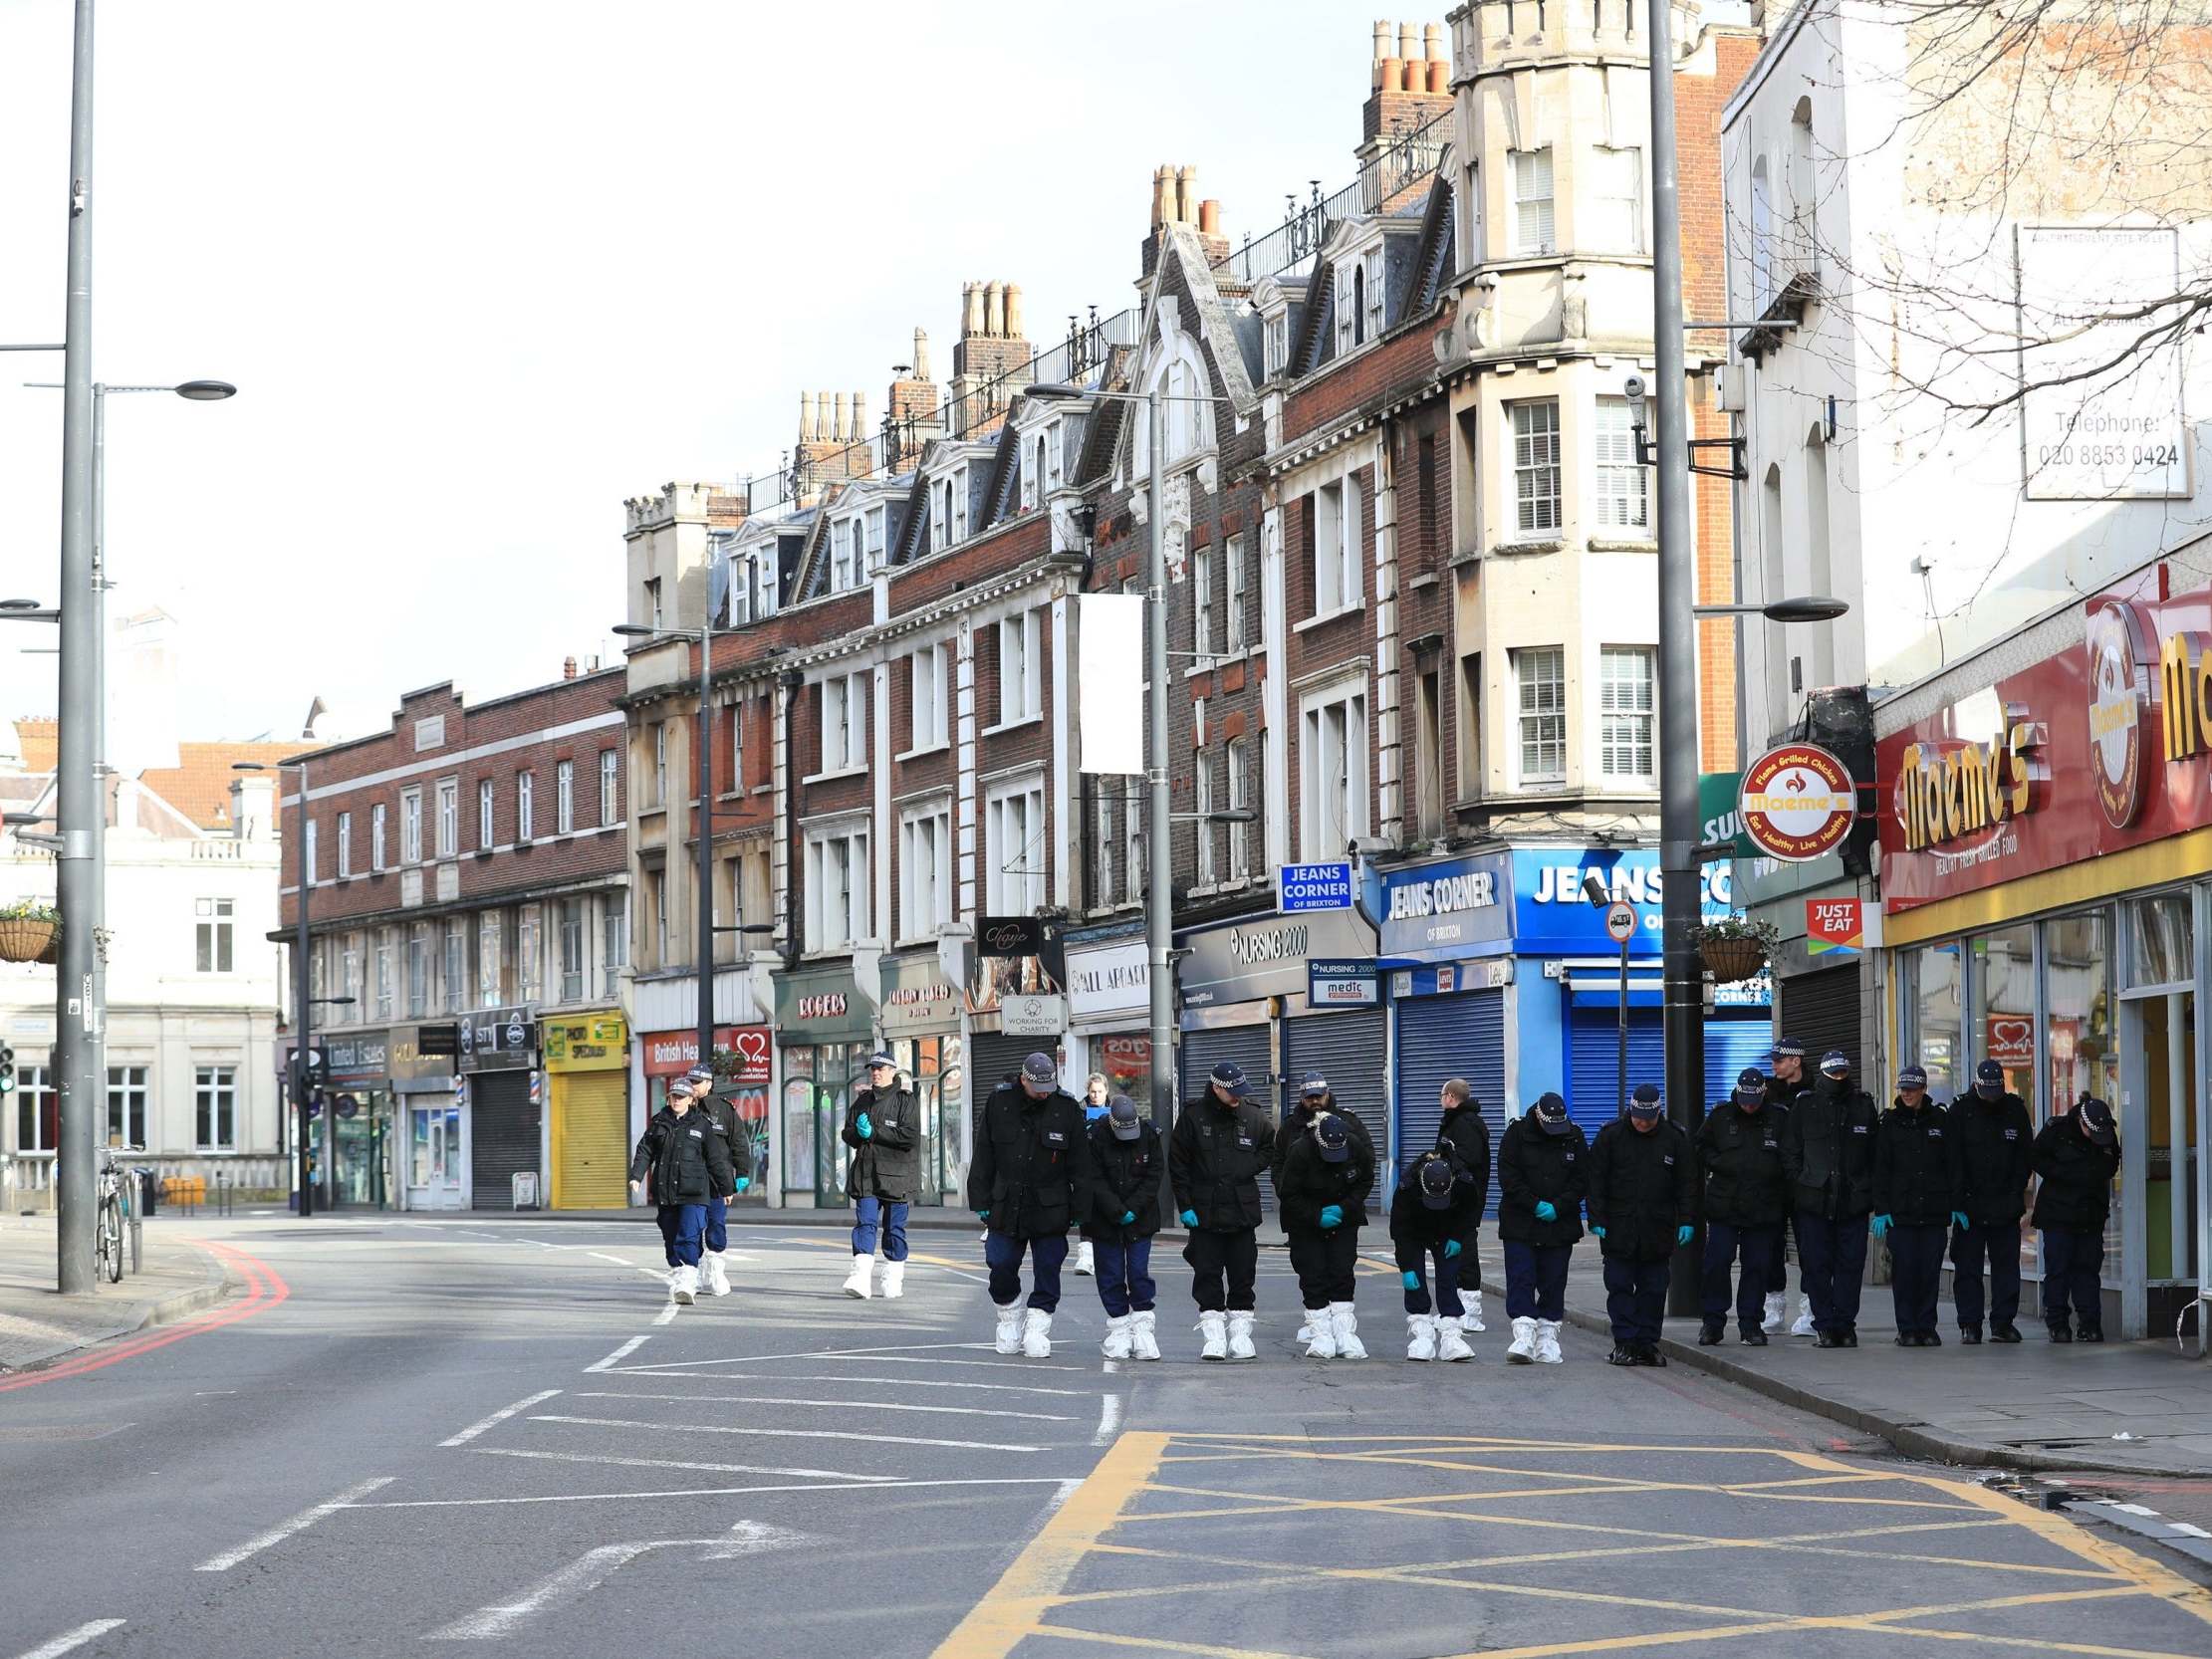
1412, 1279
744, 1181
983, 1215
1596, 1232
1190, 1218
1683, 1235
1545, 1212
1882, 1226
1451, 1249
1331, 1215
867, 1129
1959, 1217
1128, 1218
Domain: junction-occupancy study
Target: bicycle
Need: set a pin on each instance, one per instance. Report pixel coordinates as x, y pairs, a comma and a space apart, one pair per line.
109, 1237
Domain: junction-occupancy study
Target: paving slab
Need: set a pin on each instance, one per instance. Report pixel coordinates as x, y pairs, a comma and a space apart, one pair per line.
38, 1324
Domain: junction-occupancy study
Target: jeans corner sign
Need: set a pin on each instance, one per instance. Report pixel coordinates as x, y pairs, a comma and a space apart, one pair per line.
1313, 887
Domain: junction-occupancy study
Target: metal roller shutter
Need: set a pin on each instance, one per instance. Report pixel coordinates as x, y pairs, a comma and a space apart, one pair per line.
590, 1157
1441, 1037
1730, 1045
503, 1136
1594, 1076
1348, 1049
993, 1055
1821, 1011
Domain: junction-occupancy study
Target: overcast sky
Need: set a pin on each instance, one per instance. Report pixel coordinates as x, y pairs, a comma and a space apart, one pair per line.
482, 269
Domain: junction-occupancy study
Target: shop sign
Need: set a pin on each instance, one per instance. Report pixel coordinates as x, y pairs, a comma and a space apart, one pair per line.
1300, 887
1449, 908
2012, 1041
1014, 955
1491, 974
406, 1061
1114, 978
917, 996
1266, 956
1798, 803
358, 1057
822, 1007
1833, 924
585, 1042
1023, 1013
1343, 982
670, 1053
1552, 914
1720, 813
1969, 788
498, 1040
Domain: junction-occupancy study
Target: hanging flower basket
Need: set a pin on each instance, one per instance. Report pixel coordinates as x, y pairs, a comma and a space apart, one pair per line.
27, 934
51, 957
1735, 948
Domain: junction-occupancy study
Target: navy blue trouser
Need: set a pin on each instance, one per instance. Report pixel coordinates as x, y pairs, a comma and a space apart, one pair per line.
1414, 1258
681, 1228
2072, 1262
1723, 1245
716, 1235
1915, 1274
1635, 1298
1832, 1266
876, 1214
1124, 1276
1002, 1254
2000, 1242
1536, 1280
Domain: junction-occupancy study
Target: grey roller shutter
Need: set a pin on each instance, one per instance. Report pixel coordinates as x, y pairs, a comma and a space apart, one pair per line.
503, 1137
1441, 1037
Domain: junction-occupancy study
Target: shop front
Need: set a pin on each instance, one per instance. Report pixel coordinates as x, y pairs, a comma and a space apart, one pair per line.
434, 1127
920, 1008
2047, 844
1109, 1012
744, 1069
504, 1096
349, 1128
588, 1108
824, 1032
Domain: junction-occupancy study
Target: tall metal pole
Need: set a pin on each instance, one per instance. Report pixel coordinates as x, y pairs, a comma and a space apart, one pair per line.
703, 828
101, 767
1678, 726
81, 813
303, 1087
1160, 919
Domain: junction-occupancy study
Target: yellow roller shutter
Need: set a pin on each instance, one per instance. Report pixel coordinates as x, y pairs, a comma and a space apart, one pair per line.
590, 1128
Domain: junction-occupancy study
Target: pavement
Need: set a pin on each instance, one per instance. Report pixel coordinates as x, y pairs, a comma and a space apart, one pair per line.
2141, 1408
176, 1279
478, 1429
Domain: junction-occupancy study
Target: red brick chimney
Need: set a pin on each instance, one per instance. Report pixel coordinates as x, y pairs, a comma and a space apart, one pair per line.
1411, 80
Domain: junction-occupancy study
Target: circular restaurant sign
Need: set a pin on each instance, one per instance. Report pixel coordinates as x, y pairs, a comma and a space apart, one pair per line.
1797, 802
2119, 699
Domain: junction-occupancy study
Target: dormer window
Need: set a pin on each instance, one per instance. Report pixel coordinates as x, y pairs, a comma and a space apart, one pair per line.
846, 551
1056, 454
874, 552
1033, 473
1276, 346
960, 504
1371, 275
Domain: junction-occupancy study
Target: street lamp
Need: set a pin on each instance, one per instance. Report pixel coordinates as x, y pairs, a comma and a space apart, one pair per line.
302, 999
1809, 608
702, 824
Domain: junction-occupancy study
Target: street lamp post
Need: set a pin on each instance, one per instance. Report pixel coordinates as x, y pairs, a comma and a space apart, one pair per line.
303, 1001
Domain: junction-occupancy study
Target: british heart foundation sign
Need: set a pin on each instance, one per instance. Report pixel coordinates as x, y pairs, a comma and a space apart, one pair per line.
1798, 803
2012, 1041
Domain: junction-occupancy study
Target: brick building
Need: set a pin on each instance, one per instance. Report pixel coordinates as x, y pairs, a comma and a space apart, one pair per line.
467, 876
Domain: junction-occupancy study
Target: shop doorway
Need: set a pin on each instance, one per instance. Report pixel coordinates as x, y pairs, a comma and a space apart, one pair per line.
437, 1157
2158, 1046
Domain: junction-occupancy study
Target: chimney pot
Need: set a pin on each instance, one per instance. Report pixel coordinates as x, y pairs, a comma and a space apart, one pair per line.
994, 309
1416, 74
1160, 197
806, 416
921, 354
1409, 40
1187, 195
1389, 75
842, 432
1432, 37
568, 667
1382, 38
972, 318
1014, 311
1440, 75
1209, 218
859, 416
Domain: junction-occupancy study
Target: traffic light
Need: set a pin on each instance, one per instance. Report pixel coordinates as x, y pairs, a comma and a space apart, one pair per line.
317, 1066
7, 1071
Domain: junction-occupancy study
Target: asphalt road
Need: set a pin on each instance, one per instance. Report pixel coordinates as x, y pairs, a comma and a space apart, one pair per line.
493, 1432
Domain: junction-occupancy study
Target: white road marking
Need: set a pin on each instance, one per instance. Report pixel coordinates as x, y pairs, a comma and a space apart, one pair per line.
496, 1418
780, 1434
624, 1352
836, 1353
666, 1314
1110, 1419
862, 1484
677, 1463
70, 1640
298, 1524
647, 1374
830, 1405
602, 1256
595, 1566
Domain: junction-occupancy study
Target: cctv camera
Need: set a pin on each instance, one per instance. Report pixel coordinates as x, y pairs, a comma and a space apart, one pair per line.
1634, 388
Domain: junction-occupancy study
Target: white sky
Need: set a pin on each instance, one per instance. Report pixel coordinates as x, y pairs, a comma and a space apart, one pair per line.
482, 269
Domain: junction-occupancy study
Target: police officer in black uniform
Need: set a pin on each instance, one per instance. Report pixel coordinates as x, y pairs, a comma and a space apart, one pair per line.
1028, 1181
1433, 1218
1916, 1193
1323, 1195
883, 1126
1739, 1152
737, 1143
1543, 1173
1464, 1134
1214, 1157
1786, 1080
1994, 1142
2077, 1159
1126, 1157
1827, 1156
1642, 1208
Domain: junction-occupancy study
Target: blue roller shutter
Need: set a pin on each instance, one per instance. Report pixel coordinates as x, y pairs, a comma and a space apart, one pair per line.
1593, 1070
1730, 1045
1441, 1037
1346, 1048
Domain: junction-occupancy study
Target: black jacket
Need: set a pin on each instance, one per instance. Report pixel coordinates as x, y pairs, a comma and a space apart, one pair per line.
1994, 1142
1643, 1189
1915, 1167
1032, 1164
1785, 1094
1214, 1159
2075, 1194
1466, 1137
1310, 1182
1416, 1228
1740, 1156
887, 1164
1533, 1166
737, 1138
686, 1157
1299, 1123
1125, 1176
1828, 1150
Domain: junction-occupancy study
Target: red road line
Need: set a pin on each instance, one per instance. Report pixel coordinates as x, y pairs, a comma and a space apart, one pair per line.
265, 1289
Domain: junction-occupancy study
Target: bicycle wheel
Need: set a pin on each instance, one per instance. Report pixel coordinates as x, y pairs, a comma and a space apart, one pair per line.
111, 1240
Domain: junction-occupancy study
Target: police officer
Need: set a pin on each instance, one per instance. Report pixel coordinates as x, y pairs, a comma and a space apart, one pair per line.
883, 1125
2076, 1160
1543, 1172
1324, 1194
1916, 1193
1642, 1209
1828, 1157
1028, 1182
1124, 1213
1464, 1134
737, 1143
1739, 1154
1220, 1144
1786, 1080
1315, 1100
686, 1162
1433, 1219
1993, 1143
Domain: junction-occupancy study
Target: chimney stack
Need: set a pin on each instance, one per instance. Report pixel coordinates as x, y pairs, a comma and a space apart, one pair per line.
990, 363
568, 667
1412, 84
1162, 196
